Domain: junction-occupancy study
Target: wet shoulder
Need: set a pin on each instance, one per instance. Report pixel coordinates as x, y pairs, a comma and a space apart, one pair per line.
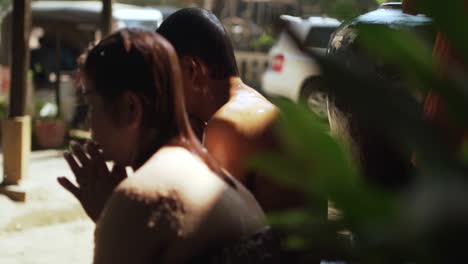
174, 169
248, 111
194, 203
176, 172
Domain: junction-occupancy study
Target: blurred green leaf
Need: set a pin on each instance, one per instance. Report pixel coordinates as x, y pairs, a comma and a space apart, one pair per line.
282, 170
450, 18
317, 164
403, 48
290, 218
464, 152
425, 222
296, 242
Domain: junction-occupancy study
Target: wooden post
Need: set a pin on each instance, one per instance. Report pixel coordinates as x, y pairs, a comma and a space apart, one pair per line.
16, 137
106, 17
20, 59
261, 13
234, 8
58, 71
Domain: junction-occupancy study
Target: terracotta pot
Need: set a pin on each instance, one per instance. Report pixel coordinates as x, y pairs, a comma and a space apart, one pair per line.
50, 133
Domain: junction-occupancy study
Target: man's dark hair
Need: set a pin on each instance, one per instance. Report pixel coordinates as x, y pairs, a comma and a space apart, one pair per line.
198, 33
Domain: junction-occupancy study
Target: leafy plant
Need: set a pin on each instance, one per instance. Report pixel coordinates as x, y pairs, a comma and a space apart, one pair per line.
263, 43
425, 222
47, 111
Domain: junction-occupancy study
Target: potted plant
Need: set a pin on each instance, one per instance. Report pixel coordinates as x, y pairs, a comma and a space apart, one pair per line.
50, 128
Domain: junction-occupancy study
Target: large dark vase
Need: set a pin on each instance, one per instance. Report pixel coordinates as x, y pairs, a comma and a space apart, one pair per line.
383, 162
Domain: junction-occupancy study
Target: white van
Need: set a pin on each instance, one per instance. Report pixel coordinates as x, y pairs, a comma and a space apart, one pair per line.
291, 73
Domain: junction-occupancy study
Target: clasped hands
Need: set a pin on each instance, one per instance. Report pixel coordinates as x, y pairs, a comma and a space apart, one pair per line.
95, 181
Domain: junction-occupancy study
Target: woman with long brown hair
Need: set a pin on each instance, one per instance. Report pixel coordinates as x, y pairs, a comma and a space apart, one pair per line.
178, 204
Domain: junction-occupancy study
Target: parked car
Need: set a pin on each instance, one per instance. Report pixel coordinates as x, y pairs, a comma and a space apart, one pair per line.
291, 73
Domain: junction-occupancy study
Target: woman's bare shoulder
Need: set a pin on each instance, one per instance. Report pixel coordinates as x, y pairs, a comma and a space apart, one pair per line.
178, 190
176, 170
173, 168
137, 227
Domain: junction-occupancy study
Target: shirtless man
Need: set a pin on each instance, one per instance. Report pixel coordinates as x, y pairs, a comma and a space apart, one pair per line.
237, 120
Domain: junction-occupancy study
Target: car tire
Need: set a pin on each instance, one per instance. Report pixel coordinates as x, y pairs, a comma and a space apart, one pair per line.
314, 97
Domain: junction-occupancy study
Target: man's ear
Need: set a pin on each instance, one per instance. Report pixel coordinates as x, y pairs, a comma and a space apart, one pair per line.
130, 110
201, 70
195, 68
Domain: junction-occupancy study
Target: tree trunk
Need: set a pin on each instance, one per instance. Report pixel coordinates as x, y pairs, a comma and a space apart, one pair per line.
106, 17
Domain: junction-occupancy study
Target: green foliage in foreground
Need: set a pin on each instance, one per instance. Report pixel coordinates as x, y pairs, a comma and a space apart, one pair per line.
425, 223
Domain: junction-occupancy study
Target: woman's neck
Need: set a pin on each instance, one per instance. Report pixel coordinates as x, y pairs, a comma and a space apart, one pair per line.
151, 142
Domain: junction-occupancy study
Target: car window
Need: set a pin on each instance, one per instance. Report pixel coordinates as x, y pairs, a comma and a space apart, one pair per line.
318, 37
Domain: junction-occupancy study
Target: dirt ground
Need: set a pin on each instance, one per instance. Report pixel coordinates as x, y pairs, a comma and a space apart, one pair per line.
50, 227
70, 242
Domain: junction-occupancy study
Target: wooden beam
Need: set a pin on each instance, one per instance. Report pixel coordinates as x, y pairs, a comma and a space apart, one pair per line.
106, 17
20, 56
16, 145
14, 192
16, 134
58, 70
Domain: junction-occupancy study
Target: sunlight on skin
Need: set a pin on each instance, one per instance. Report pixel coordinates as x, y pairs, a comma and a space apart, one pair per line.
242, 128
178, 204
202, 211
247, 109
198, 187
